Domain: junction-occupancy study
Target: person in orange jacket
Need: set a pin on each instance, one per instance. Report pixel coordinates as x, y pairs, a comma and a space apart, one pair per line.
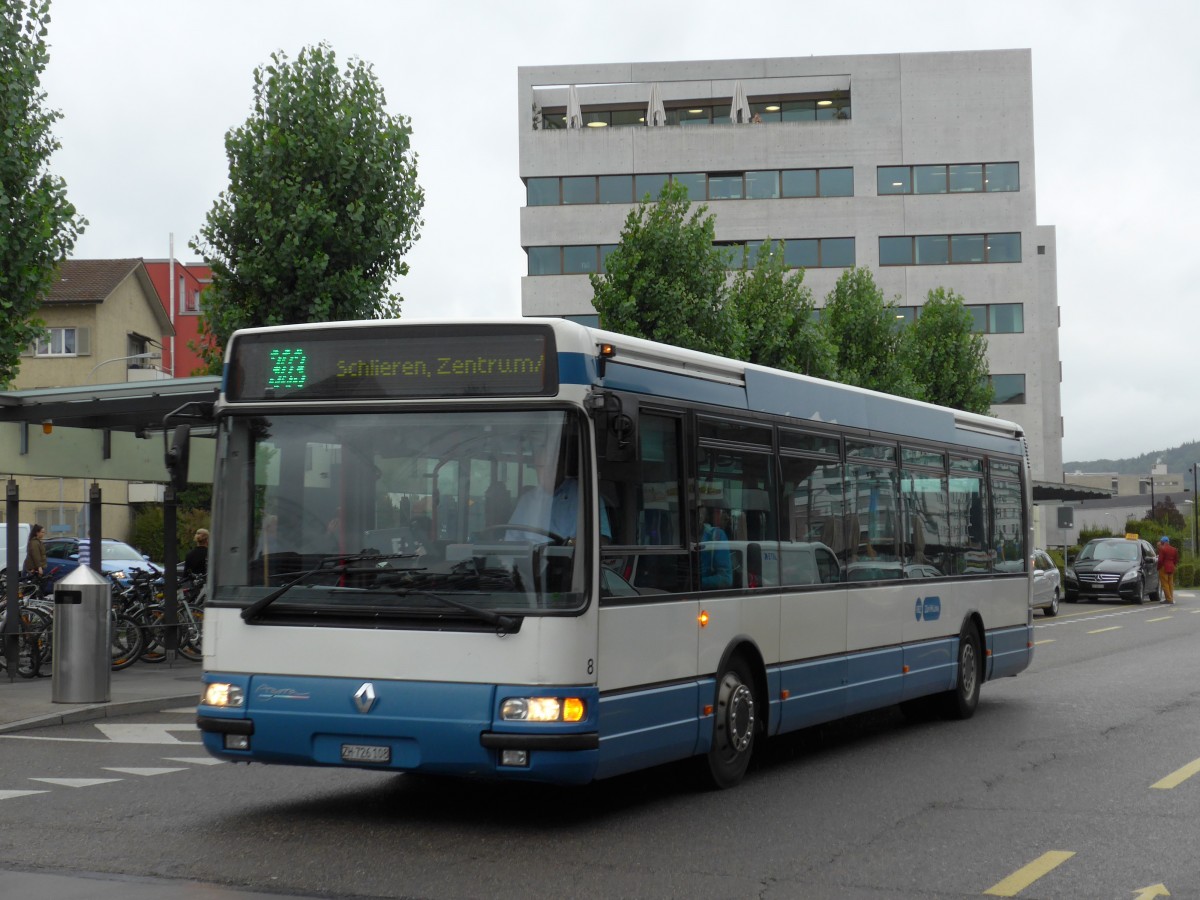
1168, 559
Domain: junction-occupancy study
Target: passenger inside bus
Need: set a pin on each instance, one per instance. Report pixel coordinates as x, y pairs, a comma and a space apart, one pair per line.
550, 510
716, 567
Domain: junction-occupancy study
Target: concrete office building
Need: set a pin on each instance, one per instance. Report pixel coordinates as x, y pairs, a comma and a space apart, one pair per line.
918, 166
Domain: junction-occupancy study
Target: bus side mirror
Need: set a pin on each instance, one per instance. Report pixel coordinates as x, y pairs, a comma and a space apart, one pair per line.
177, 457
616, 429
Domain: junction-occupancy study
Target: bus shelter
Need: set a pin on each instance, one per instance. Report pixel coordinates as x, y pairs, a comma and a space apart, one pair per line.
116, 432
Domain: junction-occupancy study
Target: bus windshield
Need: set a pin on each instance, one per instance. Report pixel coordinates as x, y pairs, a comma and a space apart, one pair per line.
405, 514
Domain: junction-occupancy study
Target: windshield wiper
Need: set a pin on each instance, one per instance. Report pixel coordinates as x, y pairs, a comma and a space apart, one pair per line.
504, 624
342, 565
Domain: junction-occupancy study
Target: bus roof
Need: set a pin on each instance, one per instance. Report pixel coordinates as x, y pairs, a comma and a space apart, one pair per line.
648, 367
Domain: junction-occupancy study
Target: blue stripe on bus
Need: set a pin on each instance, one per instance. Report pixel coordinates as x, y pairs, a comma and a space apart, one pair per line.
1011, 650
648, 727
816, 693
931, 667
306, 720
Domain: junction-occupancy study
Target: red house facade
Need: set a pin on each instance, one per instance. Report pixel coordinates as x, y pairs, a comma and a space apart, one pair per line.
180, 360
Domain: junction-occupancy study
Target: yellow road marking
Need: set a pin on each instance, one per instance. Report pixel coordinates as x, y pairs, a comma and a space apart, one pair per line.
1178, 777
1027, 875
1109, 628
1046, 641
1160, 619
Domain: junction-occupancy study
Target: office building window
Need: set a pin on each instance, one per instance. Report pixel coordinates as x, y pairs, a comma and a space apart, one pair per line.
957, 178
648, 185
1008, 389
768, 184
994, 318
545, 260
952, 249
1006, 318
580, 260
725, 187
834, 105
579, 190
616, 188
541, 192
762, 185
810, 253
695, 182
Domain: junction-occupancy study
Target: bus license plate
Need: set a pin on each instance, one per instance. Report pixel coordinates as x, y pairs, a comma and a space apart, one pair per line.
366, 753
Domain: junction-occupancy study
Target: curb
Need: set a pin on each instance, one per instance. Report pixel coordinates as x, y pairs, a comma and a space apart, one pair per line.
92, 711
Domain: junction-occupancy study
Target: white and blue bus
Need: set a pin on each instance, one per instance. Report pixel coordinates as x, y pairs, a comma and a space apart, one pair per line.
533, 550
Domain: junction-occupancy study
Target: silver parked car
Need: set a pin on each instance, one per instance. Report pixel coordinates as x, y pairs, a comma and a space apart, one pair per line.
1047, 584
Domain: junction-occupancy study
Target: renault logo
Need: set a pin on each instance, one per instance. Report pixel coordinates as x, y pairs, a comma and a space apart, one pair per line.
364, 697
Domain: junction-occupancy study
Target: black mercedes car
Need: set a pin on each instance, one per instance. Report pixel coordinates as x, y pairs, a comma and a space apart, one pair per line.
1113, 568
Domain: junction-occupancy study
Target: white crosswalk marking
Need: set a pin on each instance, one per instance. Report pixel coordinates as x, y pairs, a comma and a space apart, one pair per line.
77, 782
146, 772
146, 734
196, 760
9, 795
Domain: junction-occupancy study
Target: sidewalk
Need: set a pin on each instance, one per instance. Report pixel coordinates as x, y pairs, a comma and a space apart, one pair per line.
28, 702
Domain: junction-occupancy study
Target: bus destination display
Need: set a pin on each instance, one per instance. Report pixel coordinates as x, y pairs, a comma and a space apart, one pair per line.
394, 363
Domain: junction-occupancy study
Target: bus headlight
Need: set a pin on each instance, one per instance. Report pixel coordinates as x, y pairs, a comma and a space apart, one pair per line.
227, 696
542, 709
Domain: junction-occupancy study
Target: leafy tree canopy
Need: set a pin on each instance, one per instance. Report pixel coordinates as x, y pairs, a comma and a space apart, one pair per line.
665, 281
946, 356
775, 308
864, 330
322, 203
38, 226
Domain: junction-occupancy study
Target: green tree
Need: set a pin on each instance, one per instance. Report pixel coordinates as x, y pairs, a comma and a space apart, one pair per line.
665, 281
946, 356
322, 203
148, 533
38, 226
775, 308
863, 329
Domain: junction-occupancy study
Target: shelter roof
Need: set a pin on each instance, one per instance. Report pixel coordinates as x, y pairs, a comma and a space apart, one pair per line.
1054, 490
137, 406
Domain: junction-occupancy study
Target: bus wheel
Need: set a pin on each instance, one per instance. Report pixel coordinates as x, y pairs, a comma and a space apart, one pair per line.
734, 726
960, 702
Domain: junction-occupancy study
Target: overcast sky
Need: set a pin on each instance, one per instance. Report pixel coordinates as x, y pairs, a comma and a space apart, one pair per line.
148, 89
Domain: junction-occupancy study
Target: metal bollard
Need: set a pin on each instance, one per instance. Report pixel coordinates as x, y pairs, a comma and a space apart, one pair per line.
82, 671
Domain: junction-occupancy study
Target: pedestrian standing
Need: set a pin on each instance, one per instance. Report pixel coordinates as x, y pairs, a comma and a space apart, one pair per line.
1168, 559
35, 552
196, 561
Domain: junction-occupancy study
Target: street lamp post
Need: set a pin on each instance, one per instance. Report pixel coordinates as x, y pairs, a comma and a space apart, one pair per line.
147, 355
1150, 481
1195, 510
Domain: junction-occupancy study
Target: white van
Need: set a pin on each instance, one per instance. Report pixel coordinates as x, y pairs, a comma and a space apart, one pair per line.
22, 543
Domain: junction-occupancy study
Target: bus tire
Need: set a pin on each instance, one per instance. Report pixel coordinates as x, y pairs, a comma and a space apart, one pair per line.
960, 702
735, 725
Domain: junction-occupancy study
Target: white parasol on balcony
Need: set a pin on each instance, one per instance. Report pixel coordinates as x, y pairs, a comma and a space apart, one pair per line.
574, 112
656, 114
739, 111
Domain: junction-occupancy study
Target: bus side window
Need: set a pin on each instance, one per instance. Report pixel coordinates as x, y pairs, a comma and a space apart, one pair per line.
643, 501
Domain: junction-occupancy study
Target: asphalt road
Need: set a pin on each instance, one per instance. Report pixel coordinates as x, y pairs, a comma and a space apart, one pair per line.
1078, 779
